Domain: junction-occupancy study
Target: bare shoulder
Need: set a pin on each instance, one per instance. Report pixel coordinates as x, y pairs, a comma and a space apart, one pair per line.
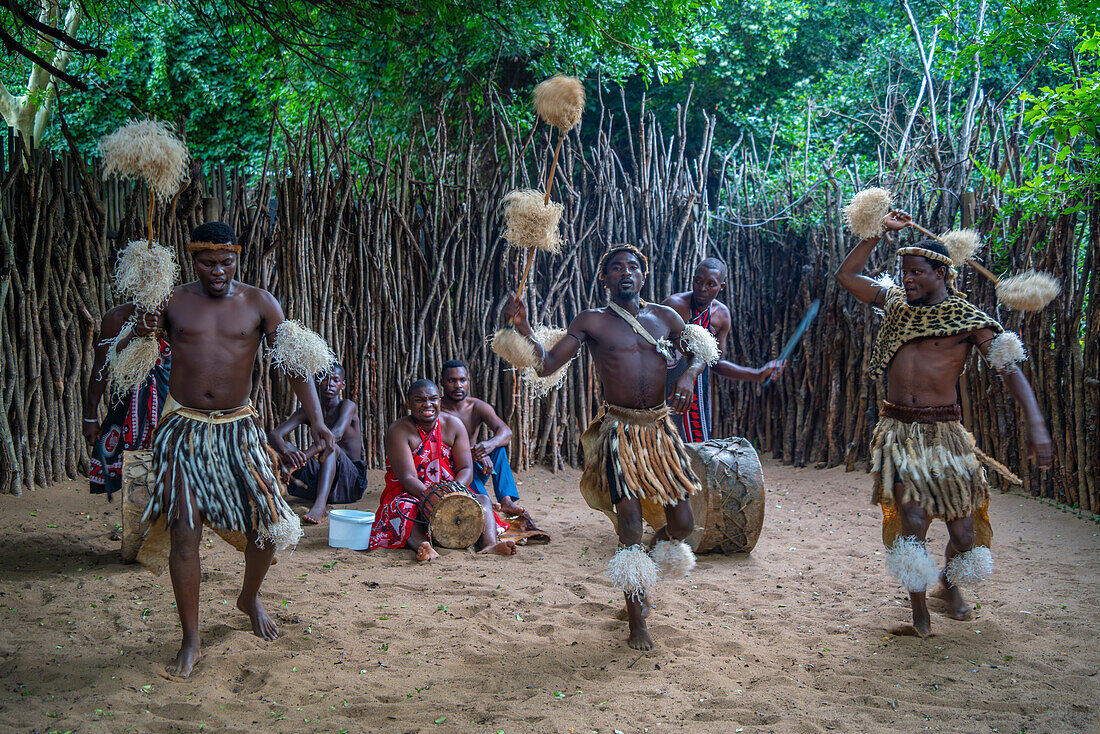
349, 406
678, 302
400, 428
720, 312
666, 314
483, 409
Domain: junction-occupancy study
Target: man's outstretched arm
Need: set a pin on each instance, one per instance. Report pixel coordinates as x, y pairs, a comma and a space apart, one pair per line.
1040, 448
849, 273
516, 312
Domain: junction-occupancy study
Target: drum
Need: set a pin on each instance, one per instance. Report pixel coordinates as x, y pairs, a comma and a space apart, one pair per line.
137, 487
455, 518
729, 512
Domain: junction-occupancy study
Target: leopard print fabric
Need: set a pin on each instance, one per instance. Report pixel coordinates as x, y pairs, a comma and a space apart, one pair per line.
903, 322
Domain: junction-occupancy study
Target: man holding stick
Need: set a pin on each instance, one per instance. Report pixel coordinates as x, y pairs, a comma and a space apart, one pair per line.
635, 462
925, 463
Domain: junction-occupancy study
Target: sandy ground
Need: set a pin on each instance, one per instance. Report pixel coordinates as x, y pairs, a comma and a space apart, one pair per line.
794, 638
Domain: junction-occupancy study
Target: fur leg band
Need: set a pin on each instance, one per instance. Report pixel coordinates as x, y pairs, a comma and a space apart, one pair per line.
970, 568
674, 558
908, 561
1005, 351
301, 352
632, 571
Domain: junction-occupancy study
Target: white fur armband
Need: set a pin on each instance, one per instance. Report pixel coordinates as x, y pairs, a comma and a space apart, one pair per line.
632, 570
127, 370
701, 343
909, 562
1005, 351
970, 568
300, 351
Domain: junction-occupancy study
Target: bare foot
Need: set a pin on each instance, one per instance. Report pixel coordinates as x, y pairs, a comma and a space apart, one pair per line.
263, 626
503, 548
314, 516
508, 507
184, 663
426, 553
957, 608
908, 630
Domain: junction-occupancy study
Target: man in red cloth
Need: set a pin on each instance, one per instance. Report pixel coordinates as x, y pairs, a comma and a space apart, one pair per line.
423, 448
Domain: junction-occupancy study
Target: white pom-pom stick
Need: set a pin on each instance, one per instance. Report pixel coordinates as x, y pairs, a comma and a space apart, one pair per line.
547, 337
864, 215
970, 568
301, 352
701, 343
1006, 350
962, 245
149, 150
632, 570
910, 563
514, 348
674, 558
1028, 291
128, 369
529, 222
145, 274
560, 101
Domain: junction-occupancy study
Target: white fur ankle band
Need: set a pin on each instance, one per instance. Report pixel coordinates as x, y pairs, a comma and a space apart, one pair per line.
909, 562
674, 558
632, 570
301, 352
970, 568
701, 343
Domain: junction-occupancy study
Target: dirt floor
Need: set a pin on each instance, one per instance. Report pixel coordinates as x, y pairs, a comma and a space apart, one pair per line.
794, 638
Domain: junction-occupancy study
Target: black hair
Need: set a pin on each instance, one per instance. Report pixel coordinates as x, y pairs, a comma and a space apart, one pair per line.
713, 263
338, 366
453, 364
420, 384
615, 250
217, 232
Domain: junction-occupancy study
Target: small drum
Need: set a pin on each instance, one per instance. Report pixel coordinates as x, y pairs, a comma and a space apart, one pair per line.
455, 518
729, 512
137, 487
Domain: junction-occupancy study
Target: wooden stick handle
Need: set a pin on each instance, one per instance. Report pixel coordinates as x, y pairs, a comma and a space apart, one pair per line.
526, 271
152, 204
969, 261
553, 168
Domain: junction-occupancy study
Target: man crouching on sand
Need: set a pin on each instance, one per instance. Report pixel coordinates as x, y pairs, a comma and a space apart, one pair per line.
423, 448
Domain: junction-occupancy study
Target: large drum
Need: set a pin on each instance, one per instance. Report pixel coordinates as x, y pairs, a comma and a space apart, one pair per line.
729, 512
455, 518
137, 487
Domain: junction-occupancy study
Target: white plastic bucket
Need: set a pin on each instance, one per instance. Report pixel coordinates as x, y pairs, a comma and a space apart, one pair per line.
349, 529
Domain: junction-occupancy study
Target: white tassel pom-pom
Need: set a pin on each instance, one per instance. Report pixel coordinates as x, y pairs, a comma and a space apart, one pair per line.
701, 343
962, 245
548, 337
674, 558
145, 273
560, 101
1028, 291
1006, 350
864, 215
632, 570
529, 222
128, 369
146, 149
514, 348
300, 351
970, 568
909, 562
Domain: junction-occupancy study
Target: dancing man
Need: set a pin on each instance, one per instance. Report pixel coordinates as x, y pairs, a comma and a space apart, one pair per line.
635, 462
700, 306
925, 463
423, 448
211, 459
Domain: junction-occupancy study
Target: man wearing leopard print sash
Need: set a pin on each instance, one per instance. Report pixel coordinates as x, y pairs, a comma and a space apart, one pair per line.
925, 463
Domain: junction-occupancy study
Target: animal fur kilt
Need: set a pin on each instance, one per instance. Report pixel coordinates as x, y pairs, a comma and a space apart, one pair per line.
632, 452
221, 458
938, 465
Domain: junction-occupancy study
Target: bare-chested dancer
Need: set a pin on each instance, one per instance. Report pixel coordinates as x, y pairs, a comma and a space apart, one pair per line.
211, 459
423, 448
926, 464
700, 306
635, 462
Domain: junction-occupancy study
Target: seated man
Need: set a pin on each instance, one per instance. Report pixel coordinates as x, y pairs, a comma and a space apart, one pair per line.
423, 448
490, 456
341, 477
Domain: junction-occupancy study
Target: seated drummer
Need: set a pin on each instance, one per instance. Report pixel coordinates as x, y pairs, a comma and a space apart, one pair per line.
423, 448
341, 477
490, 457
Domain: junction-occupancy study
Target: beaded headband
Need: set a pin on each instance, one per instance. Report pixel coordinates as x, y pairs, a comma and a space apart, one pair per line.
930, 254
206, 246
